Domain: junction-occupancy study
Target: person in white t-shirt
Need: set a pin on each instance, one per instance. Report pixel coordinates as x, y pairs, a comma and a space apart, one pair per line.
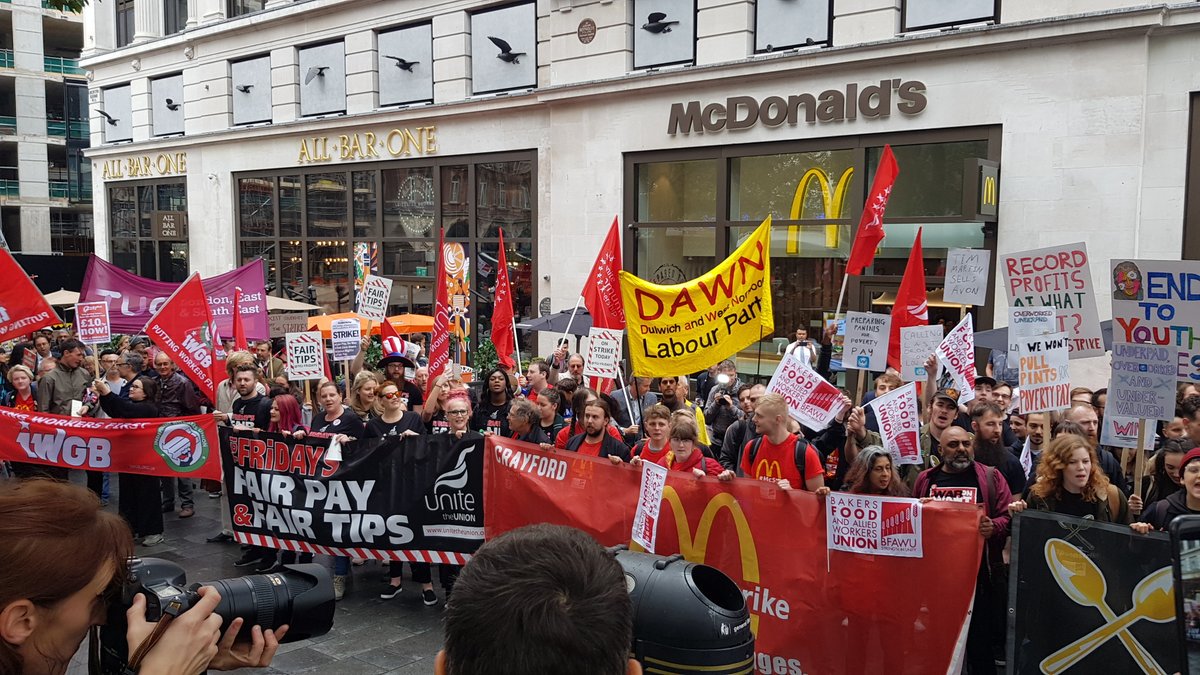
803, 348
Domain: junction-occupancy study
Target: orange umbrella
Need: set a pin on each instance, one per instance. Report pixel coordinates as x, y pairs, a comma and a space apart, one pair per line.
411, 323
322, 323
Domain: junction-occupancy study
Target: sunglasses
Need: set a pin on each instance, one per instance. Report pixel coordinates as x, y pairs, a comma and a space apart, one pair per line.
391, 395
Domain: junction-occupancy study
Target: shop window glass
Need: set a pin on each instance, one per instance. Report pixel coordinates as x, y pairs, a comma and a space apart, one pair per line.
493, 211
672, 255
365, 202
519, 256
930, 183
145, 210
256, 207
123, 214
329, 275
124, 255
408, 205
250, 250
414, 257
456, 212
289, 206
920, 14
677, 191
173, 261
291, 271
147, 264
794, 186
327, 205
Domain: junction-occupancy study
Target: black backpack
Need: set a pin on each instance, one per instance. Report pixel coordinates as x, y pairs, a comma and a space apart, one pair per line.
799, 456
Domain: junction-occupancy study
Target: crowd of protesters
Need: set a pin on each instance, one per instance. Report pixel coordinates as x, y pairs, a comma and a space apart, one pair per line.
710, 424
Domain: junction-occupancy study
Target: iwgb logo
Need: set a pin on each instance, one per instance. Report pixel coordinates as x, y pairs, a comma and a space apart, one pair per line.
182, 445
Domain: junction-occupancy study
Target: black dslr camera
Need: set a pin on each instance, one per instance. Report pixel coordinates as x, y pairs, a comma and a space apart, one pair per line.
300, 596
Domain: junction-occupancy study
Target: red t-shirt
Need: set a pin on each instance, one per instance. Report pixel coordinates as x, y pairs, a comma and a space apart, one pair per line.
779, 461
591, 449
26, 404
564, 434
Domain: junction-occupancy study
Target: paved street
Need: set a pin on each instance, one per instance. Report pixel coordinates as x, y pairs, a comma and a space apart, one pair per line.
369, 637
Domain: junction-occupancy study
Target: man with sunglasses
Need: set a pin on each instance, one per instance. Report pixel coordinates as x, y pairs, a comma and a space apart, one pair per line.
960, 478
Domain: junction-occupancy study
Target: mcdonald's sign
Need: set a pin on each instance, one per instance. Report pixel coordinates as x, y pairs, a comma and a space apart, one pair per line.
833, 203
981, 190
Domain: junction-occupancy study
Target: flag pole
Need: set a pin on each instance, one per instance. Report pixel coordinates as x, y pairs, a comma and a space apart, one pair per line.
578, 304
841, 296
516, 339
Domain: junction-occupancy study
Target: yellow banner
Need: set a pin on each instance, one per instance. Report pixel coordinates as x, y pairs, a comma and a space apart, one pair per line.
685, 328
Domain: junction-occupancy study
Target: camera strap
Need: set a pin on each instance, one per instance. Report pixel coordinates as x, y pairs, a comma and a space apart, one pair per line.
169, 612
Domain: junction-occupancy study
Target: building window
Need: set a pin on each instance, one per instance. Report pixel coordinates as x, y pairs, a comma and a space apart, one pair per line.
240, 7
691, 209
141, 243
124, 23
175, 15
921, 14
306, 226
71, 232
783, 24
664, 32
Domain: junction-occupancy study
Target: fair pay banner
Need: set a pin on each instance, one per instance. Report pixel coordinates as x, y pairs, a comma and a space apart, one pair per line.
811, 400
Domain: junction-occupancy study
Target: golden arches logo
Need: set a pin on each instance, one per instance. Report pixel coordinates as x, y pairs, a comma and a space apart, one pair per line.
833, 203
768, 469
696, 550
989, 191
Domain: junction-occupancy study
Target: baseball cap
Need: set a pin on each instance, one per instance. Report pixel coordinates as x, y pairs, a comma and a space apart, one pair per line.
949, 393
984, 379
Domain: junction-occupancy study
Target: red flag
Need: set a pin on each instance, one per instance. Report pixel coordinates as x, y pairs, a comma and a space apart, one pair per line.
439, 343
910, 308
502, 313
23, 309
870, 226
239, 331
183, 328
602, 292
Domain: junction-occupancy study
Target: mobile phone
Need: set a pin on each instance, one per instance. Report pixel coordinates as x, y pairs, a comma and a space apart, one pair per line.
1185, 564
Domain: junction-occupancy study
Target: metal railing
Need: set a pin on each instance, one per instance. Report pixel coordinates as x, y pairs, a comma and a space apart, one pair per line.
78, 128
61, 189
8, 123
10, 187
58, 64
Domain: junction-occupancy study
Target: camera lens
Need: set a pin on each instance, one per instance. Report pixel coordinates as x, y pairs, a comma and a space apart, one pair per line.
300, 596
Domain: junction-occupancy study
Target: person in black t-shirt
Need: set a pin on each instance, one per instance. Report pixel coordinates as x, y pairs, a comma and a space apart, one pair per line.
251, 411
1069, 480
492, 413
336, 420
393, 420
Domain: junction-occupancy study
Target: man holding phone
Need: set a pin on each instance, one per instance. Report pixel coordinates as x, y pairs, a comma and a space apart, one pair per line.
803, 348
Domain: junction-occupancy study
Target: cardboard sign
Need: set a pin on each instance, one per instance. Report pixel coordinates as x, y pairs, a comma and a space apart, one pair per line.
967, 276
373, 298
346, 335
957, 354
645, 518
1157, 302
874, 525
1060, 277
603, 357
899, 423
916, 344
866, 346
1143, 381
282, 323
1045, 383
91, 322
1122, 432
811, 400
1029, 322
305, 356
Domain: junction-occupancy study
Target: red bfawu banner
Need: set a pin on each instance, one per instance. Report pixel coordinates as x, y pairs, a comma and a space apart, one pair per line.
174, 446
23, 309
813, 610
183, 328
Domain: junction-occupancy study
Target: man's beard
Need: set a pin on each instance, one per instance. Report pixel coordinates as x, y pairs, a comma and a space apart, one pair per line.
992, 454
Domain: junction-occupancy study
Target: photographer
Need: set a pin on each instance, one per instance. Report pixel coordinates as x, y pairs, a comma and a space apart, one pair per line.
722, 409
62, 560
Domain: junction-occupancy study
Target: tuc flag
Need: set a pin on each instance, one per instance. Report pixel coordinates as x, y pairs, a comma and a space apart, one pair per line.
911, 307
601, 294
23, 309
870, 226
175, 446
183, 328
502, 314
439, 342
685, 328
810, 606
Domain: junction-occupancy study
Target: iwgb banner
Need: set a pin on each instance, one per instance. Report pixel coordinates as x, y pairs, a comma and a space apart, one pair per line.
417, 498
132, 299
178, 446
1072, 581
810, 607
685, 328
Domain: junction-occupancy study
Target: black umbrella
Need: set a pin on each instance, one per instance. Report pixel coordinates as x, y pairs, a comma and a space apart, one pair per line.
997, 338
557, 322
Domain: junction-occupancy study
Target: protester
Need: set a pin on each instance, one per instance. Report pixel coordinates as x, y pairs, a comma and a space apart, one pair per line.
539, 599
270, 365
433, 410
139, 498
363, 392
565, 387
1084, 415
60, 558
1081, 395
286, 415
1186, 501
742, 431
492, 414
987, 425
631, 401
672, 392
1069, 481
777, 455
524, 423
129, 367
393, 366
583, 396
176, 398
803, 348
872, 473
24, 390
1175, 429
720, 410
960, 478
538, 377
390, 418
685, 456
421, 377
549, 421
251, 410
596, 440
1162, 479
884, 384
657, 422
943, 411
